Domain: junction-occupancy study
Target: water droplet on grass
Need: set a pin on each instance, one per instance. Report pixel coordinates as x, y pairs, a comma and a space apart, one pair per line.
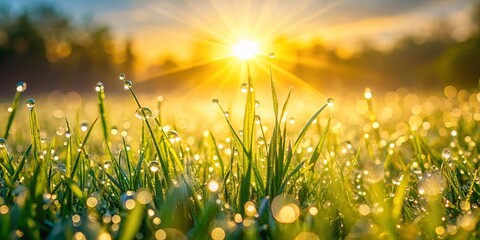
244, 87
62, 168
446, 153
291, 120
30, 103
99, 87
122, 76
272, 55
3, 143
173, 136
107, 164
215, 101
258, 120
143, 113
127, 85
21, 86
84, 126
330, 102
154, 166
368, 94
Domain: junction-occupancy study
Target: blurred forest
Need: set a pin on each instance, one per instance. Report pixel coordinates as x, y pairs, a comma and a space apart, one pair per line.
427, 64
46, 49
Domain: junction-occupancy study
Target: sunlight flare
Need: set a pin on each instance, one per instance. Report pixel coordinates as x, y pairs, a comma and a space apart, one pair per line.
245, 49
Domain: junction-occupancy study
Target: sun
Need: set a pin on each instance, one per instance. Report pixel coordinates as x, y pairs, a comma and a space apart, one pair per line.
245, 49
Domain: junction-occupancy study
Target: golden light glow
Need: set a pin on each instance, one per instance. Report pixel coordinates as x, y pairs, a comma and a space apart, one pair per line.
285, 209
259, 37
245, 49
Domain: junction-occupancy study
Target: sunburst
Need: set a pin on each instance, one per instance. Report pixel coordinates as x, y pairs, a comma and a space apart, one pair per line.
229, 31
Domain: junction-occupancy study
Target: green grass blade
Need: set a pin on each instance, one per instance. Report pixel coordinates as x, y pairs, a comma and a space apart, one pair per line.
306, 127
290, 175
85, 139
318, 148
132, 224
102, 112
22, 163
76, 190
11, 117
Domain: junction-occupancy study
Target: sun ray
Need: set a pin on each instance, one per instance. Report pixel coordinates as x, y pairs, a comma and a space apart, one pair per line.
221, 27
185, 68
286, 18
184, 18
226, 71
286, 27
292, 77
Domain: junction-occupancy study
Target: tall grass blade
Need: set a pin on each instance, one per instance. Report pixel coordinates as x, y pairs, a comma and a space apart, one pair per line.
11, 117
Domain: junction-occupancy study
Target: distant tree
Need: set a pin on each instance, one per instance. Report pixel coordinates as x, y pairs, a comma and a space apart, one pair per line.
128, 64
45, 48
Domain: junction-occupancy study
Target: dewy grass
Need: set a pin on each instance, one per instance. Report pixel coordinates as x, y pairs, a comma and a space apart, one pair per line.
21, 87
331, 178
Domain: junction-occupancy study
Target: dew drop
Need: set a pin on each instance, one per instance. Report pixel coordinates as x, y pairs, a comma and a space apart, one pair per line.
291, 120
261, 140
446, 153
122, 76
272, 55
330, 102
114, 131
215, 101
258, 120
84, 126
99, 87
257, 104
154, 166
173, 136
127, 84
62, 168
368, 94
244, 87
30, 103
107, 164
21, 86
143, 113
3, 143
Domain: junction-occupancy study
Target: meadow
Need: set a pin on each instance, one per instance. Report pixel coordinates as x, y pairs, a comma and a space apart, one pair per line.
399, 165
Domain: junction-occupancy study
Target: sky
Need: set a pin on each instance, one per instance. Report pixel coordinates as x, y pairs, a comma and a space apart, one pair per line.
162, 28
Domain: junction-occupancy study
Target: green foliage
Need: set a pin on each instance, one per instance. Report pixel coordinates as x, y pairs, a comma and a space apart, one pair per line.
381, 182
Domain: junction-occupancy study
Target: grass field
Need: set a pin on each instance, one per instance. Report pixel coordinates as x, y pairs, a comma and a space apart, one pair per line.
396, 166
